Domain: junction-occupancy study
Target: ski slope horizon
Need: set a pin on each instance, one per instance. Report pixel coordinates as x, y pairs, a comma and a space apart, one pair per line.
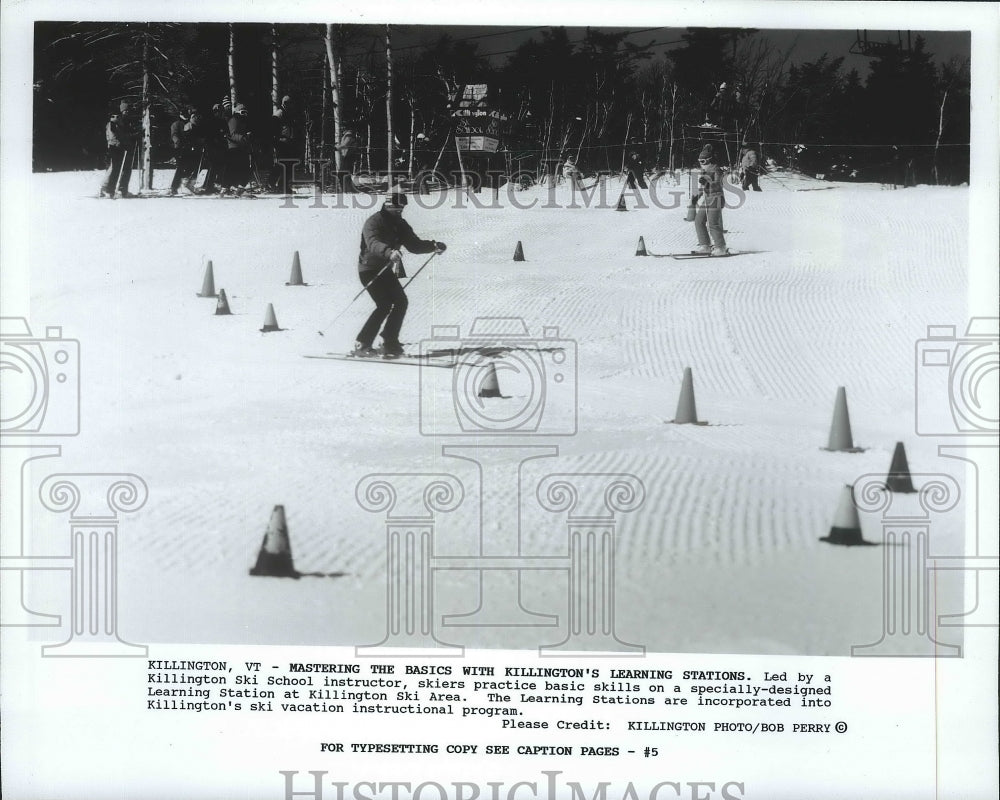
836, 286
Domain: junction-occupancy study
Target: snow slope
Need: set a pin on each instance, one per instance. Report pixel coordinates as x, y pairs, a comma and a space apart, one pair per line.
223, 422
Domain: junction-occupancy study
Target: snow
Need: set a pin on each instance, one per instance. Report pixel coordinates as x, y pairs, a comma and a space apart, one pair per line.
837, 285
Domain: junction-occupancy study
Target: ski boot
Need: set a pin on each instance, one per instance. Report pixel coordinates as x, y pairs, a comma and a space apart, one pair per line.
391, 349
362, 350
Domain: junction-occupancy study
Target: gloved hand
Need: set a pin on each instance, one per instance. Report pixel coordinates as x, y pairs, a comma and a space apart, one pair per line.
397, 269
440, 247
395, 255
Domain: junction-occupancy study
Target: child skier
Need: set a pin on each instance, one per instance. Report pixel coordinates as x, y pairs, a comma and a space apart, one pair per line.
708, 215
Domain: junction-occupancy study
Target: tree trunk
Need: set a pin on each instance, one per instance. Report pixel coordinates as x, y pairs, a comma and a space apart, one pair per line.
322, 113
413, 133
937, 142
334, 71
388, 104
232, 67
275, 84
147, 127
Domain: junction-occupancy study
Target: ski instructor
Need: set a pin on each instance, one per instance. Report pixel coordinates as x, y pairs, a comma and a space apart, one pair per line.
380, 266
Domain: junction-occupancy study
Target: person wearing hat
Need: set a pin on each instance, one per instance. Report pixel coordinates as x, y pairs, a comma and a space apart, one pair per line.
122, 134
286, 141
750, 168
187, 139
238, 155
380, 265
708, 214
571, 173
635, 171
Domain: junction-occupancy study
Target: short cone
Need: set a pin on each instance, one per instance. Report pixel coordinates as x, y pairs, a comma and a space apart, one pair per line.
846, 528
519, 252
208, 284
296, 278
275, 556
621, 204
899, 479
687, 414
640, 250
222, 307
270, 321
840, 429
491, 386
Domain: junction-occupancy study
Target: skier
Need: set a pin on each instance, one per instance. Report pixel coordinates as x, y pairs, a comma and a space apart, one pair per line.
751, 169
708, 216
384, 232
185, 136
239, 154
571, 173
635, 171
122, 133
285, 124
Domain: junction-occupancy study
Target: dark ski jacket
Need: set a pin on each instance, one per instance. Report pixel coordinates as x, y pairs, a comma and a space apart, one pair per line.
239, 133
384, 232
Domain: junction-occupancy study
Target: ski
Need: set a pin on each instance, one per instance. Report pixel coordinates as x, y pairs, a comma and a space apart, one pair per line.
410, 361
694, 254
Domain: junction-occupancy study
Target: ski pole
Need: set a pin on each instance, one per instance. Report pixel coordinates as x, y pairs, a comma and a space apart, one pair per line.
428, 261
363, 290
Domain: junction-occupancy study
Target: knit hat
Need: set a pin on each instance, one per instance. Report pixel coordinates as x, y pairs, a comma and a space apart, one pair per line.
707, 153
396, 199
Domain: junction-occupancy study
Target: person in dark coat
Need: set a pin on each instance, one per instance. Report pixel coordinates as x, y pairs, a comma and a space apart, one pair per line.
635, 171
750, 167
216, 133
187, 140
122, 134
239, 153
380, 265
286, 139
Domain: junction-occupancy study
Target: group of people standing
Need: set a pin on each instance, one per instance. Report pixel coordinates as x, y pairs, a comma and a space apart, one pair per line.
213, 153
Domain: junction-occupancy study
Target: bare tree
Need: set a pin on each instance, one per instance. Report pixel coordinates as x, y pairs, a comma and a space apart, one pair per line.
955, 72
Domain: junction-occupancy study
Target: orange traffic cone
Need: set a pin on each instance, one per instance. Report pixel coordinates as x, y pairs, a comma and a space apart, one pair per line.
296, 278
846, 528
490, 386
270, 321
208, 283
687, 414
275, 557
898, 479
222, 307
519, 252
640, 250
840, 429
621, 203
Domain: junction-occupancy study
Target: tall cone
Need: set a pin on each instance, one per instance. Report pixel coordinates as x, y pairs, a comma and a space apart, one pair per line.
490, 386
222, 307
840, 429
275, 556
519, 252
898, 479
640, 250
296, 278
846, 528
621, 203
687, 414
208, 283
270, 321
